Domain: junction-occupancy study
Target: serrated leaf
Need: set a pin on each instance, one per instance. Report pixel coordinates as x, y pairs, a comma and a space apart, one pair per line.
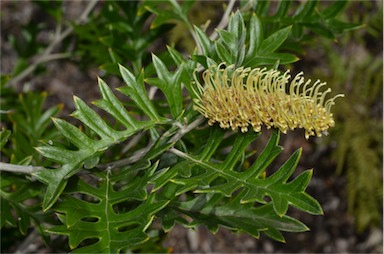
60, 155
90, 118
211, 210
136, 90
176, 55
73, 134
283, 174
113, 106
55, 179
170, 85
271, 150
240, 144
106, 219
16, 207
253, 189
89, 150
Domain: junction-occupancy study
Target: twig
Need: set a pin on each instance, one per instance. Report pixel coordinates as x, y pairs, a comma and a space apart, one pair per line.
142, 152
19, 169
132, 142
51, 57
185, 129
224, 20
126, 161
29, 245
46, 55
223, 23
151, 94
179, 153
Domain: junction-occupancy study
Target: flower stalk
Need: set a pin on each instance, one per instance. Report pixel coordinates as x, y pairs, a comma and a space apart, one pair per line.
245, 97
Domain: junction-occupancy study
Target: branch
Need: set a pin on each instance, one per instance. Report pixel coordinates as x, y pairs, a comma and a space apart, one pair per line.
178, 153
46, 55
183, 129
223, 23
19, 168
29, 244
127, 161
224, 20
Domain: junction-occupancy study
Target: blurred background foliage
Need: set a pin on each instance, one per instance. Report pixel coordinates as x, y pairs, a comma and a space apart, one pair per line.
123, 32
354, 66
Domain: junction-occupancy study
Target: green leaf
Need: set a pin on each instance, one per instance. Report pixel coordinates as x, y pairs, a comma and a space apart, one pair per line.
4, 135
333, 10
236, 25
61, 155
176, 55
253, 189
55, 179
262, 7
90, 118
30, 124
231, 45
305, 9
204, 41
321, 30
115, 216
170, 85
274, 41
224, 54
233, 197
73, 134
136, 90
170, 10
255, 35
211, 210
17, 206
113, 106
89, 150
265, 158
270, 59
282, 9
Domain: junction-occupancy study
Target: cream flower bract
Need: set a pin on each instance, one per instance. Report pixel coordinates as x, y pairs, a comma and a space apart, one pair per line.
249, 98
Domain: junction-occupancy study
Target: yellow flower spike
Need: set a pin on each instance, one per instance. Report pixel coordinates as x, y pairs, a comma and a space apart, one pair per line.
245, 97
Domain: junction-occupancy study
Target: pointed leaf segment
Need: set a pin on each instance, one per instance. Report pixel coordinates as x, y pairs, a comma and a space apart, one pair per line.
88, 149
238, 200
102, 216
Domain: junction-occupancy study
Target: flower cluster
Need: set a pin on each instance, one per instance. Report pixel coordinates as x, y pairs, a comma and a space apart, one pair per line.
244, 97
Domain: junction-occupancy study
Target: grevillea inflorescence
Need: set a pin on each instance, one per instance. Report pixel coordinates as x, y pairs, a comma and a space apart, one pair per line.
245, 97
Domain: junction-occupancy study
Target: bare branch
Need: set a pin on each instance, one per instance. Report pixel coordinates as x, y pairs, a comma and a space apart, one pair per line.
184, 129
46, 55
224, 20
19, 168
